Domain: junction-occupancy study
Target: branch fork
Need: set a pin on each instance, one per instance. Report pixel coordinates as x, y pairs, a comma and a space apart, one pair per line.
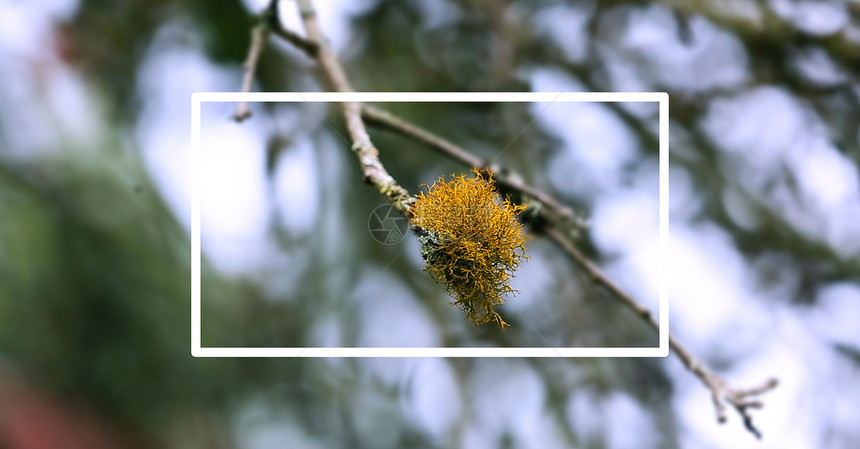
741, 400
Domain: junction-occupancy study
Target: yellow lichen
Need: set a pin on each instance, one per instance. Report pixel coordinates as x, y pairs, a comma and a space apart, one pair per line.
471, 243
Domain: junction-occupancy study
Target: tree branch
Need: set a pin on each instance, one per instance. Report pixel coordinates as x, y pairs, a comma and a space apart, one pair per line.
259, 34
368, 155
317, 47
721, 392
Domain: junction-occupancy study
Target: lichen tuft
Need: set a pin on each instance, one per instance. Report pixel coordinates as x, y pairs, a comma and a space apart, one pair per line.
471, 242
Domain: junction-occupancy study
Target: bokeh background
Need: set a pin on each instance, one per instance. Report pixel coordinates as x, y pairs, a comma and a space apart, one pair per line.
95, 211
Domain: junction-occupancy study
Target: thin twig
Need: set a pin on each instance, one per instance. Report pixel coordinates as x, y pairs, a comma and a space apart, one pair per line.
374, 172
258, 40
316, 46
387, 120
267, 22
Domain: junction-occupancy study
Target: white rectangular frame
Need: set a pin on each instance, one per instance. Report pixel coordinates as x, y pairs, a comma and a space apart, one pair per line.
197, 100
